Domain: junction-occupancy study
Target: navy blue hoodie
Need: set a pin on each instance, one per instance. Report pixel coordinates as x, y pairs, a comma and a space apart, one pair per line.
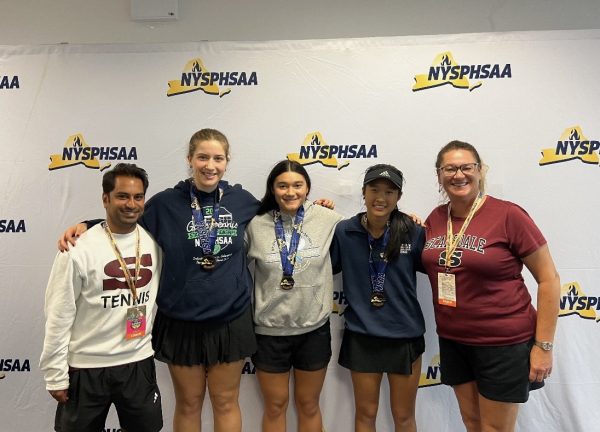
187, 291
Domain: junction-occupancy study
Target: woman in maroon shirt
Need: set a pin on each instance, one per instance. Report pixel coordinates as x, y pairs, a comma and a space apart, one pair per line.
494, 346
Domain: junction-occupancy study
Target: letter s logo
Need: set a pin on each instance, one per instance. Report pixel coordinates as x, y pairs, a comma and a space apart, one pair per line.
113, 269
454, 261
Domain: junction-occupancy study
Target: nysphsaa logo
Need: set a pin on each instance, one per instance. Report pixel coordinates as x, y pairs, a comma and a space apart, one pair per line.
572, 145
446, 71
574, 301
197, 77
315, 149
339, 303
12, 225
249, 368
76, 151
432, 376
9, 82
14, 365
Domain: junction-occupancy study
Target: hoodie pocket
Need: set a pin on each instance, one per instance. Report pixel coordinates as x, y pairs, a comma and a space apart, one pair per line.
299, 307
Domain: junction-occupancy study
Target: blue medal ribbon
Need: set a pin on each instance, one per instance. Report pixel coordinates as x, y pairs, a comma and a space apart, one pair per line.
288, 256
207, 232
377, 266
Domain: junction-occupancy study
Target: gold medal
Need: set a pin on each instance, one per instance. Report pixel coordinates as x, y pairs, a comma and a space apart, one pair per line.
287, 283
208, 262
377, 299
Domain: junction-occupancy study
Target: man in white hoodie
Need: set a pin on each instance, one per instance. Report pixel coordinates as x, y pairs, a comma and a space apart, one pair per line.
99, 302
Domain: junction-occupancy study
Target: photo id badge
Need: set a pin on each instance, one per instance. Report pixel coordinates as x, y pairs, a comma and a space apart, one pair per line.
135, 322
447, 289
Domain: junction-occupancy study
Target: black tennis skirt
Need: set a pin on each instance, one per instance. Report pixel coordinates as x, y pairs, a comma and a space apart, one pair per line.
372, 354
190, 343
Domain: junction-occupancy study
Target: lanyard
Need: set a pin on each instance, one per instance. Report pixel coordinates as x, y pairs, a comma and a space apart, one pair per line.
207, 232
451, 241
288, 256
128, 278
377, 267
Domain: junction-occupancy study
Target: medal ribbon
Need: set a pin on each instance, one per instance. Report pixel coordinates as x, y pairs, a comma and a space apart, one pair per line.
207, 232
138, 260
451, 241
377, 267
288, 255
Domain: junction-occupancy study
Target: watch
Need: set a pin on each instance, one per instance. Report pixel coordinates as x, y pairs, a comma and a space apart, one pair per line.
546, 346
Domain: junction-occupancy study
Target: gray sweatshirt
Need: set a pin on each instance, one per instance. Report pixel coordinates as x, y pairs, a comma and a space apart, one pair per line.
308, 304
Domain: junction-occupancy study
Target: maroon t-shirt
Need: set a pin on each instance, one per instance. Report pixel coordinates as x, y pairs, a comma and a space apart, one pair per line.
493, 305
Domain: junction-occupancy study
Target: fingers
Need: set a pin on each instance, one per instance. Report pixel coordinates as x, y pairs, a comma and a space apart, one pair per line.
60, 396
539, 375
66, 242
73, 239
63, 246
417, 220
540, 362
324, 202
80, 228
68, 239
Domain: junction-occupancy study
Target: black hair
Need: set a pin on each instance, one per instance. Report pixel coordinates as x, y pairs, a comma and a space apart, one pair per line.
401, 225
268, 202
123, 170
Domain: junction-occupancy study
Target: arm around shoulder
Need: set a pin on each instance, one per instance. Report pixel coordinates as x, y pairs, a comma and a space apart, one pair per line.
70, 236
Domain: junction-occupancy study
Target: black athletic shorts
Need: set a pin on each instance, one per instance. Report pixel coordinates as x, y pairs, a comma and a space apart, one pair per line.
131, 387
501, 372
308, 352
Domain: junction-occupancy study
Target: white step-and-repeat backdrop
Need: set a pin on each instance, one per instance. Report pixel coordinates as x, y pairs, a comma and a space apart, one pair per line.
528, 101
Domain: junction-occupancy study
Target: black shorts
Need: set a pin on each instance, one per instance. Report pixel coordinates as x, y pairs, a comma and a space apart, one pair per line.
373, 354
501, 372
131, 387
191, 343
309, 351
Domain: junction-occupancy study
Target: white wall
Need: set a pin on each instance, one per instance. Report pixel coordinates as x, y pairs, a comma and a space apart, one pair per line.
357, 92
108, 21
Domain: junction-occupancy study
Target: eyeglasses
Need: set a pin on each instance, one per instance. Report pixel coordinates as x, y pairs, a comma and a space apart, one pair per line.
451, 170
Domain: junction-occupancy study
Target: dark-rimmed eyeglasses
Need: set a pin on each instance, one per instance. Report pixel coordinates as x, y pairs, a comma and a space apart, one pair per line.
451, 170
